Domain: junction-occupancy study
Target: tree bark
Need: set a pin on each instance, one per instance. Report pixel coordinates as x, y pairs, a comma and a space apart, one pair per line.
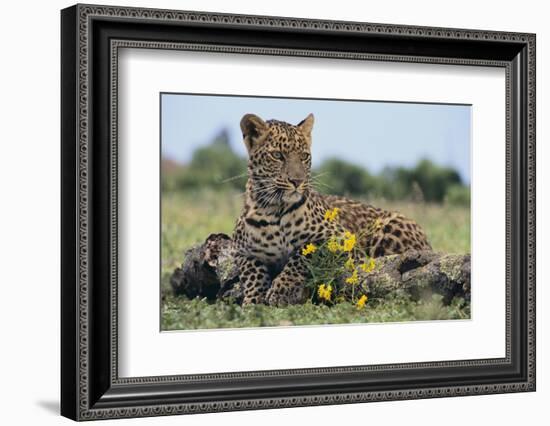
208, 271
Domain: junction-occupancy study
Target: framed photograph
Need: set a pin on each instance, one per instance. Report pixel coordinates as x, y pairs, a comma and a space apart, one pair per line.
263, 212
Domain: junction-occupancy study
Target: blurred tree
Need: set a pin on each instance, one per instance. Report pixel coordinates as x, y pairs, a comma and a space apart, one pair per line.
215, 165
343, 178
218, 167
433, 180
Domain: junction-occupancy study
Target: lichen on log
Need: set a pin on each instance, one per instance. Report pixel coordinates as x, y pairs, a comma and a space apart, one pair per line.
209, 271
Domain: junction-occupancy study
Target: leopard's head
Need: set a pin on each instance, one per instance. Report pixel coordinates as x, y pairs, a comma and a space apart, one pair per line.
279, 161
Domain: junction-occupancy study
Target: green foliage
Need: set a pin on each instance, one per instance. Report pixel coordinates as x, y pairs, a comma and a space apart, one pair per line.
458, 195
335, 267
433, 180
343, 178
424, 182
218, 167
180, 313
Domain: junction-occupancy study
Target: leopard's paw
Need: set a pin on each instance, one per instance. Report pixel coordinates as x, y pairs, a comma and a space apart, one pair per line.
253, 300
282, 296
276, 298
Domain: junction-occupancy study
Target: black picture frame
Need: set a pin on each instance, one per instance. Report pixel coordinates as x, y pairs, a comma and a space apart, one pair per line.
90, 386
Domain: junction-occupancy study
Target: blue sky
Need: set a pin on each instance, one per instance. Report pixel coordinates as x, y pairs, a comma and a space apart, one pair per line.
371, 134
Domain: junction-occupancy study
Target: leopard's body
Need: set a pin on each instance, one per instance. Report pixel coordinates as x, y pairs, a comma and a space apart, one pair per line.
282, 213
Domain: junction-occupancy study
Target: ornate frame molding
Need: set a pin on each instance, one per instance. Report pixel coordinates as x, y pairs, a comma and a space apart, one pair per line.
88, 403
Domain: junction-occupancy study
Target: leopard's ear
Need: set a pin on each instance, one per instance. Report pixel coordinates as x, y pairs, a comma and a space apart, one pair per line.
306, 125
254, 130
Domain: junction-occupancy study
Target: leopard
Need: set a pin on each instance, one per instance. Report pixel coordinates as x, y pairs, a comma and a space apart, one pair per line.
282, 212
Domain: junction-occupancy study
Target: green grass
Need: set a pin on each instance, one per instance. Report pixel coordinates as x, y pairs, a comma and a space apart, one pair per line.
179, 313
188, 218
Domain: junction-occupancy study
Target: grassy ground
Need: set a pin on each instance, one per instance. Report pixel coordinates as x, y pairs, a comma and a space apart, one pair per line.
188, 218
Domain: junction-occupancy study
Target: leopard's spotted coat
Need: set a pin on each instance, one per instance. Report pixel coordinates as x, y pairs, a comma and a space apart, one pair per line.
282, 213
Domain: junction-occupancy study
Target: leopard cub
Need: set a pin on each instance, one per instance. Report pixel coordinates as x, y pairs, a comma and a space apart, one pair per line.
282, 213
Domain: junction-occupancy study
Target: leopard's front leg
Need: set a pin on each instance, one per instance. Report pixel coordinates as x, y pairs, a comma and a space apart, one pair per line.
254, 278
288, 288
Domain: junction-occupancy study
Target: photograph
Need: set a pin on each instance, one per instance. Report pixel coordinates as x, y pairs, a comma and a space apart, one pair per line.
280, 211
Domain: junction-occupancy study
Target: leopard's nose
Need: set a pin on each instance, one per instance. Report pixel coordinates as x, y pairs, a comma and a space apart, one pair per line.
296, 181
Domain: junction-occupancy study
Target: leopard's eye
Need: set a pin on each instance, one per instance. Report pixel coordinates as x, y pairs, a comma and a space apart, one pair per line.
304, 156
278, 155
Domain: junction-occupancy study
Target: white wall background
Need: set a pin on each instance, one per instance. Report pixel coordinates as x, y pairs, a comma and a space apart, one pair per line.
29, 225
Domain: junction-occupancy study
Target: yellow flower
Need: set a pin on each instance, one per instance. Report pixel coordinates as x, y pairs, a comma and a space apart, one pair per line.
324, 292
350, 264
333, 245
361, 302
368, 266
331, 215
353, 279
349, 242
310, 248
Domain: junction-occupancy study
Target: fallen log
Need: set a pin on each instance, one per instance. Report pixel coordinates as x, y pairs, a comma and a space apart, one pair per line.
208, 271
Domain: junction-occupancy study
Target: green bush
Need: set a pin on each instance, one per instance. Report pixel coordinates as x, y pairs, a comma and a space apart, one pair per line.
342, 178
433, 180
426, 181
217, 166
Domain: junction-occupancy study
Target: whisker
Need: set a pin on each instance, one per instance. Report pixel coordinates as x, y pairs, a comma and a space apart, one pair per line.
318, 182
232, 178
316, 178
326, 185
320, 174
